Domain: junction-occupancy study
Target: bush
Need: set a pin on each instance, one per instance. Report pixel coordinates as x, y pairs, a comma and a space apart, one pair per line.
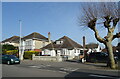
12, 52
6, 47
28, 54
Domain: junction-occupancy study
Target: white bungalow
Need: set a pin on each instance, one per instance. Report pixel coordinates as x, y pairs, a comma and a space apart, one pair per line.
63, 47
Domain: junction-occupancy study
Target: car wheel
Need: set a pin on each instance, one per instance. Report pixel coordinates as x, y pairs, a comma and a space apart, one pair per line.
8, 62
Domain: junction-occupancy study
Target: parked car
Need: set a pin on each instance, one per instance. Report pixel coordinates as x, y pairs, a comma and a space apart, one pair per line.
10, 59
101, 57
117, 55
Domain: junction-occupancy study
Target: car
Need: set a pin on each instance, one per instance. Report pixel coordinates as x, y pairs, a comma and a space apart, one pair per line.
10, 59
100, 57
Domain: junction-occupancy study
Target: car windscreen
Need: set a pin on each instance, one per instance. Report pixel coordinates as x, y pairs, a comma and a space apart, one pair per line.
12, 56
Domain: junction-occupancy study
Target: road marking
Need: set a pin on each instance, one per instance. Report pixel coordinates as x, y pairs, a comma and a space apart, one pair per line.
34, 66
62, 72
54, 71
69, 69
100, 76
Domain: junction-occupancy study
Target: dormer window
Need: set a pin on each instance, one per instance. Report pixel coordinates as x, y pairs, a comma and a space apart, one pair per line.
59, 42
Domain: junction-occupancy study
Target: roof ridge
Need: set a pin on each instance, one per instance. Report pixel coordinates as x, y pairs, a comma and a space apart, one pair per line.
35, 35
11, 38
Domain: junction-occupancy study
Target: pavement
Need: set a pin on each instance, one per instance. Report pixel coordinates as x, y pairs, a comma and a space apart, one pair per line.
30, 68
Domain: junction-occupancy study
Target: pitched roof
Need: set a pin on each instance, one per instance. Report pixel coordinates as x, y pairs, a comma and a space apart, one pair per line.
114, 49
12, 39
35, 35
92, 46
67, 43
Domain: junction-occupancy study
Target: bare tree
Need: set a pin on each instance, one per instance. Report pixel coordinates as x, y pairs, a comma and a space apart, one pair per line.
102, 14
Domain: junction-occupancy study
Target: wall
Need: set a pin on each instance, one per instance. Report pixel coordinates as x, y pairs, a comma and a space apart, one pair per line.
64, 52
40, 44
48, 58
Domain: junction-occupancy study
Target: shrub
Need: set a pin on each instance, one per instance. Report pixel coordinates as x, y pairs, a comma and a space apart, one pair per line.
6, 47
11, 52
28, 54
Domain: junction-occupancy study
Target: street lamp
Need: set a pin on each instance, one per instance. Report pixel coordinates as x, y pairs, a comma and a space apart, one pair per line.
20, 45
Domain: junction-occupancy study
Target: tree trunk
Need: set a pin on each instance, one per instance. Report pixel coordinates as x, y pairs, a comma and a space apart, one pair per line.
111, 60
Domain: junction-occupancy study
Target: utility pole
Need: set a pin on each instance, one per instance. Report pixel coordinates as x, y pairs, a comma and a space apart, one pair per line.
20, 46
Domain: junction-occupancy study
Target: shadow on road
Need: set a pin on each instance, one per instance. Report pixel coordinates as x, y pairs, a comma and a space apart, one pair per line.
74, 61
96, 64
85, 75
102, 65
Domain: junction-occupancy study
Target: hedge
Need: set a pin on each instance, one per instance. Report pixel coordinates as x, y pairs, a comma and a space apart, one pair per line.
28, 54
11, 52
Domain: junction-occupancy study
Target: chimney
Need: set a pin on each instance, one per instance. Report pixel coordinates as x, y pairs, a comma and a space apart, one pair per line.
49, 37
84, 42
84, 54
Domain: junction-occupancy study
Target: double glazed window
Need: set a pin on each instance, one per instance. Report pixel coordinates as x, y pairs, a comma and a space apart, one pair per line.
28, 43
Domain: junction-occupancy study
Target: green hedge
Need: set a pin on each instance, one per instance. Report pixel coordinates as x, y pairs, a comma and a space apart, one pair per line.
11, 52
28, 54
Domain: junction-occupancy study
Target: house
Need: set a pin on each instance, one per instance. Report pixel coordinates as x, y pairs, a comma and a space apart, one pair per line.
34, 41
93, 47
115, 49
63, 47
14, 40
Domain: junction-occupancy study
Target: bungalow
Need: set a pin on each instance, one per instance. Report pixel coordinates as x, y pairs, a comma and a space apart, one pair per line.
12, 41
93, 47
63, 47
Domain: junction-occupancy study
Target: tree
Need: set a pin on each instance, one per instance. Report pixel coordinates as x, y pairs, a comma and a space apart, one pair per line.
102, 14
7, 47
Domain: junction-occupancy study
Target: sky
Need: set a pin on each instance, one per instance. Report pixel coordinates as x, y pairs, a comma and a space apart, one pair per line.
58, 18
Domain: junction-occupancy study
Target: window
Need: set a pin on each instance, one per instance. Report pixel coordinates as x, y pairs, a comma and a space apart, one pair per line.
59, 42
78, 51
81, 52
75, 50
28, 42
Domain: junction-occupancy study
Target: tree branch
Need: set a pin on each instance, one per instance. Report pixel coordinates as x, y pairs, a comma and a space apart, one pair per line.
107, 22
92, 25
115, 21
117, 35
101, 40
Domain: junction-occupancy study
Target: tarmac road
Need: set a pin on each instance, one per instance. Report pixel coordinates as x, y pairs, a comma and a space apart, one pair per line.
29, 68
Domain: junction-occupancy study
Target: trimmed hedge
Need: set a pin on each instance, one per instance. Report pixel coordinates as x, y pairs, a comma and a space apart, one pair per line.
11, 52
28, 54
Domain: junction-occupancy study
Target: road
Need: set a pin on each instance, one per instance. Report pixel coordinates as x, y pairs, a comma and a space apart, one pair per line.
29, 68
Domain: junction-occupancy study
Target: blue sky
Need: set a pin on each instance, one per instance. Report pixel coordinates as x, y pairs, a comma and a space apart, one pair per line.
59, 18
